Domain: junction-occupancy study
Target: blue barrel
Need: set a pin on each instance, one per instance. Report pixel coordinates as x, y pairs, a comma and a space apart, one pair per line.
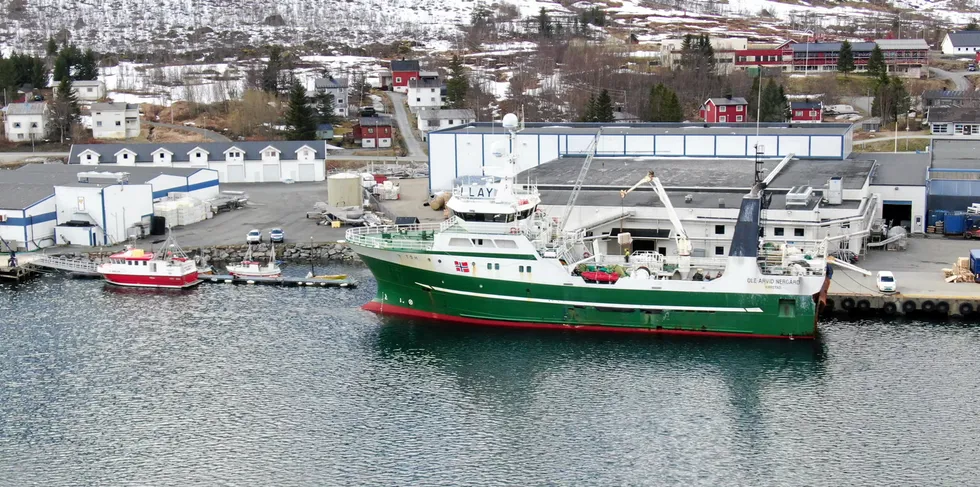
954, 223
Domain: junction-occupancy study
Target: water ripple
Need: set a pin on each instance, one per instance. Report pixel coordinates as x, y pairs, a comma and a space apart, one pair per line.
228, 385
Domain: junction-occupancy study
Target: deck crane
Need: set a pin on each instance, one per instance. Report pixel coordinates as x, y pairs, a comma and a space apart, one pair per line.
591, 151
680, 235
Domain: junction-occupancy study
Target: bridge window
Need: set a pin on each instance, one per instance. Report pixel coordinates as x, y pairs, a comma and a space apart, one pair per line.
778, 231
719, 250
520, 269
719, 229
797, 232
496, 267
460, 242
505, 244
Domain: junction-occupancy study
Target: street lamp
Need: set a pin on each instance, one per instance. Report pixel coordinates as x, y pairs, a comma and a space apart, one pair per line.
806, 60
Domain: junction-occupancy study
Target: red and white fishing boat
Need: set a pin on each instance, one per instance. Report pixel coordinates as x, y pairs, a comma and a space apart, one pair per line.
168, 268
252, 268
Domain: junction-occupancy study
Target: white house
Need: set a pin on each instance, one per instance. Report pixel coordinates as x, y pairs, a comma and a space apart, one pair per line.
339, 88
424, 93
26, 121
235, 162
434, 119
115, 120
962, 42
88, 90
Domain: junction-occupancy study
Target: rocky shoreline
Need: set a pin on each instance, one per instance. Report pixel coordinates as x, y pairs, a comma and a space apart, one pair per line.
289, 252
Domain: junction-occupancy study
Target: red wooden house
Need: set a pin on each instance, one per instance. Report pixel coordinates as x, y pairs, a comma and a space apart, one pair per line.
401, 73
806, 111
724, 110
373, 132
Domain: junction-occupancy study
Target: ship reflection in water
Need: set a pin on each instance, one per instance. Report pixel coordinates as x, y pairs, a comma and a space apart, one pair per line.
295, 386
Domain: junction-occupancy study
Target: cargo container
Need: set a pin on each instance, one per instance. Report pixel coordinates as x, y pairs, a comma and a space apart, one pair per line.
935, 216
975, 261
954, 223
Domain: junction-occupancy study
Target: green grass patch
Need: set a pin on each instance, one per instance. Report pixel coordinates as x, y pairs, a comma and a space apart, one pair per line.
904, 145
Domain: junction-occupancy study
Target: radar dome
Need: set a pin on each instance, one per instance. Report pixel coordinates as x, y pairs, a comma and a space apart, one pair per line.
510, 121
498, 149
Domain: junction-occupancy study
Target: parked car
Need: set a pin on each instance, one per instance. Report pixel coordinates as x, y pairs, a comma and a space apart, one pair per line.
254, 236
972, 67
276, 235
886, 282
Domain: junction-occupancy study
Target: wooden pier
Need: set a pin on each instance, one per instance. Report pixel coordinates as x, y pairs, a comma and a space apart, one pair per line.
17, 274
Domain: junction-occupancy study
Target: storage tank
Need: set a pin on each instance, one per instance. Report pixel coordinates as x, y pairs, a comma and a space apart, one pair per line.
344, 190
954, 223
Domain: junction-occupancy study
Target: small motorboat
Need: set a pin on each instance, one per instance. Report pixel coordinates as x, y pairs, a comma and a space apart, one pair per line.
327, 277
600, 277
252, 268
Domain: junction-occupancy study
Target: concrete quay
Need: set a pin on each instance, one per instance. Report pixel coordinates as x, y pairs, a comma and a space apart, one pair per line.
921, 286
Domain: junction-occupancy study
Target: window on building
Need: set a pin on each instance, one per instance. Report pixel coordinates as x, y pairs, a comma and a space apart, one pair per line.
799, 113
16, 125
738, 118
432, 99
88, 157
778, 231
739, 108
419, 100
813, 113
126, 155
370, 131
723, 118
797, 232
398, 79
118, 123
719, 250
33, 125
722, 109
197, 154
20, 136
450, 122
98, 124
719, 229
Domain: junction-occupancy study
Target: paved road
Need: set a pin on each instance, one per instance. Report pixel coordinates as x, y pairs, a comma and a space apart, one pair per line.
957, 77
212, 136
414, 147
20, 156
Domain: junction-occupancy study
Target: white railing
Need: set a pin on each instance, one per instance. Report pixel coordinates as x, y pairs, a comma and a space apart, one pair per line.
65, 264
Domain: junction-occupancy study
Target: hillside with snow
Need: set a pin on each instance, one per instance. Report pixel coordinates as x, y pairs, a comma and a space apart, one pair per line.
178, 25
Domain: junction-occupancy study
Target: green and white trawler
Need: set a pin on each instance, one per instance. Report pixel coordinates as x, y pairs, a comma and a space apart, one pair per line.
500, 260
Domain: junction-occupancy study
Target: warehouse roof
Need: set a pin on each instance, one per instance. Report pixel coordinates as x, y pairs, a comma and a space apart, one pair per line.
954, 114
452, 114
960, 153
687, 128
621, 173
897, 169
813, 47
903, 44
180, 151
20, 196
699, 199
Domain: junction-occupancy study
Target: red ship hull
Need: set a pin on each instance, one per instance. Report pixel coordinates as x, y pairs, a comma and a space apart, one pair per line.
171, 282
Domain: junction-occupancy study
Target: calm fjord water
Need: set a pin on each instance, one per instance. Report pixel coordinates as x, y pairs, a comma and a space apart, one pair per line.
237, 385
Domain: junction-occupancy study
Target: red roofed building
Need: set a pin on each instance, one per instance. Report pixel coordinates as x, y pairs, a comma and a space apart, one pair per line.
724, 110
401, 73
806, 111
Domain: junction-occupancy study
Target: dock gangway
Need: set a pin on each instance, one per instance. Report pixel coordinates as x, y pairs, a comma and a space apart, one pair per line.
65, 264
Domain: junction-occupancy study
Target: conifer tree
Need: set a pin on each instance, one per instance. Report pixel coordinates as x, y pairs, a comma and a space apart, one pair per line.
604, 108
64, 109
52, 47
88, 66
299, 116
590, 108
753, 97
845, 60
876, 64
457, 84
658, 100
672, 108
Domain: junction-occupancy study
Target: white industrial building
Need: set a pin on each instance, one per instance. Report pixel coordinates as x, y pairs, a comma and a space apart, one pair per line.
466, 149
115, 120
25, 122
47, 204
234, 162
88, 90
812, 200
